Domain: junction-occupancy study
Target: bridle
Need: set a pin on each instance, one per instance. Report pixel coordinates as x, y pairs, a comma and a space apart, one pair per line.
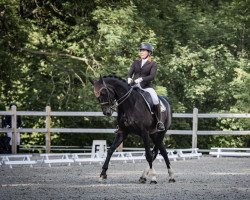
112, 103
98, 94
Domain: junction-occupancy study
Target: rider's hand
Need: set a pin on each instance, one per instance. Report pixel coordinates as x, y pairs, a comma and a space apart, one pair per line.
138, 80
130, 80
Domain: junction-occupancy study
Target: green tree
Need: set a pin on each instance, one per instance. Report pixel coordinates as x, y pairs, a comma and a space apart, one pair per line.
49, 49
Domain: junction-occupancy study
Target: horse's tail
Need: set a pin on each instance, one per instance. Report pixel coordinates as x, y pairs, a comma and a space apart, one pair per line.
169, 113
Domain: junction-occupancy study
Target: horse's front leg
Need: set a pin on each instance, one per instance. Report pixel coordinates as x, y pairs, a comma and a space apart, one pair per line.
120, 136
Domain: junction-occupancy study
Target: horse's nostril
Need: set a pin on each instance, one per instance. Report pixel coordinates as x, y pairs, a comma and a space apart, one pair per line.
109, 113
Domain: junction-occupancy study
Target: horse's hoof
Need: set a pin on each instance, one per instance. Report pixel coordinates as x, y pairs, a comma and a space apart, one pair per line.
142, 180
153, 182
102, 178
172, 180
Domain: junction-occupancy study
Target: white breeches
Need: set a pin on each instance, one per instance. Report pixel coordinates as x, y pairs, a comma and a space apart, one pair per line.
153, 94
9, 134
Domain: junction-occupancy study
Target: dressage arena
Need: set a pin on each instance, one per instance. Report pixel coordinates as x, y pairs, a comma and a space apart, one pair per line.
205, 178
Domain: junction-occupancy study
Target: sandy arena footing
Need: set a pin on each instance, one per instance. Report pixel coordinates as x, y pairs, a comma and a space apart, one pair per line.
208, 178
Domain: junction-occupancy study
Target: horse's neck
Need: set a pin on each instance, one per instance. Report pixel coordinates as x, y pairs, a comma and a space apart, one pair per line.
120, 88
121, 92
124, 95
127, 100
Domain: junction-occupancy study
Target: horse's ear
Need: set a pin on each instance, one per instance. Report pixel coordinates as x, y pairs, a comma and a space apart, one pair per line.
101, 79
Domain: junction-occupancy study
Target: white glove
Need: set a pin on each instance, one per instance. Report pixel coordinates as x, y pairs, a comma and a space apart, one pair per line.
138, 80
130, 80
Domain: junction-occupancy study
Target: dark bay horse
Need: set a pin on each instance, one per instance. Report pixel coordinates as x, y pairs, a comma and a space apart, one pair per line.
134, 116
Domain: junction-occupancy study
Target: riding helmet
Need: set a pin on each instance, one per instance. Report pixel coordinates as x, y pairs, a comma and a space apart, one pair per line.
13, 104
147, 47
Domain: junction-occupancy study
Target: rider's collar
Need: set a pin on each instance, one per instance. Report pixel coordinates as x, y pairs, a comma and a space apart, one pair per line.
143, 61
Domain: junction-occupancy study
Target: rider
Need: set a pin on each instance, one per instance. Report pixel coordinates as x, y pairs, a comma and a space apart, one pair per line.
144, 72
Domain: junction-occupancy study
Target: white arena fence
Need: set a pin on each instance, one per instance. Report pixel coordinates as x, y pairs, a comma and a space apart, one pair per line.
49, 113
50, 159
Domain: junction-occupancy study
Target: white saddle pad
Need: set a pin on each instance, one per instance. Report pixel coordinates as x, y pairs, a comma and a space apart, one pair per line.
163, 108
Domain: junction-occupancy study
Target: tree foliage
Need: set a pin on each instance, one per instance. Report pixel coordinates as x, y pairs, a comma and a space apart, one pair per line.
49, 49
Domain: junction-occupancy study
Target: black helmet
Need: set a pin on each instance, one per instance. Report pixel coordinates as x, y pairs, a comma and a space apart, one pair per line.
147, 47
12, 104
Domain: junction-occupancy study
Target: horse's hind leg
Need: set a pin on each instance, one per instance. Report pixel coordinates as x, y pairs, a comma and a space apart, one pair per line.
148, 172
165, 156
155, 152
158, 140
149, 157
117, 141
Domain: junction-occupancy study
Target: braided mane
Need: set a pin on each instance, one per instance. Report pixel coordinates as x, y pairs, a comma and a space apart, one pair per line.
115, 77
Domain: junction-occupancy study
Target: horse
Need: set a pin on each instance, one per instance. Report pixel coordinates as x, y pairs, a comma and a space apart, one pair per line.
134, 117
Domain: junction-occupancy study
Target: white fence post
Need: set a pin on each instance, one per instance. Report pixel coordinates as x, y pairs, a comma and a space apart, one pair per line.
48, 126
14, 130
195, 128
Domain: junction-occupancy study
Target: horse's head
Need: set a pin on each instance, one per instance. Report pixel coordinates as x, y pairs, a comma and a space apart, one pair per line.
105, 96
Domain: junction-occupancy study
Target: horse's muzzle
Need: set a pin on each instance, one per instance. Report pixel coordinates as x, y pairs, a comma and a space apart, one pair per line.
107, 112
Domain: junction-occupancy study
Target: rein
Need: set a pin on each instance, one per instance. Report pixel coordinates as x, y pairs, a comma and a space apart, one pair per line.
125, 96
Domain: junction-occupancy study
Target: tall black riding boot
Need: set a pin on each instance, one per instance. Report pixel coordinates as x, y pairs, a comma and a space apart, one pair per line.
160, 126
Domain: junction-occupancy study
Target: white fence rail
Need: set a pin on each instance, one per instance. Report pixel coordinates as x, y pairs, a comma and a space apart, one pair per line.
48, 130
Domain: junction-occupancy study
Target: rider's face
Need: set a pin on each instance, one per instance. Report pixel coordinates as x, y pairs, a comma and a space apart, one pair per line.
143, 53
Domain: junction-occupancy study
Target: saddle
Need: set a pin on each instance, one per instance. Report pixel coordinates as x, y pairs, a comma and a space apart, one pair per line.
164, 104
147, 98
